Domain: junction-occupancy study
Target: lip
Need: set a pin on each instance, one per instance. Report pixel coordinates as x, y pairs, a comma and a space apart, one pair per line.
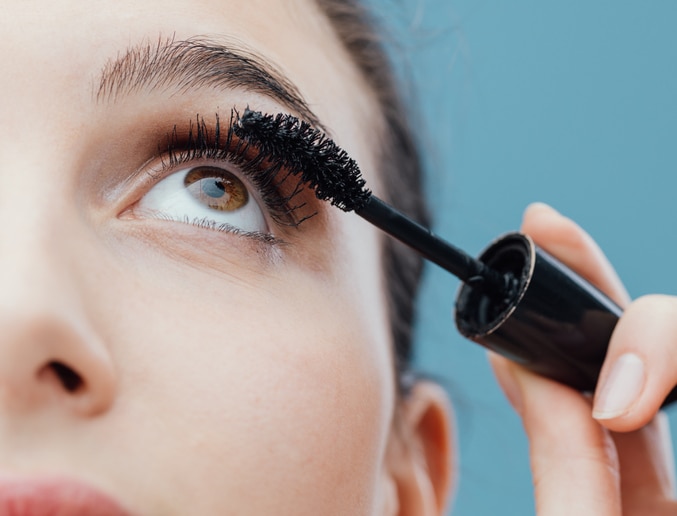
54, 497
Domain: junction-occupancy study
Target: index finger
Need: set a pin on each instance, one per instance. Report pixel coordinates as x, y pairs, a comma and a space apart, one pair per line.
570, 244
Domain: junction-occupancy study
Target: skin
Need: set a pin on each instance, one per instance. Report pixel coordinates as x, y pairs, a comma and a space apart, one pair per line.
223, 376
220, 375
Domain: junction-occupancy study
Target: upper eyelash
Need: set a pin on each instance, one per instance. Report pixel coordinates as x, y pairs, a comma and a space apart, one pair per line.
208, 142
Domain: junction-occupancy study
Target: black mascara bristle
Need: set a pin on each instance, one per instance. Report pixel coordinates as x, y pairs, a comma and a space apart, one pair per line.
308, 153
335, 177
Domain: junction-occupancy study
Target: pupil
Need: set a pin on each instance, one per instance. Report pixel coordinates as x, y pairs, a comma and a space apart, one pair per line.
213, 188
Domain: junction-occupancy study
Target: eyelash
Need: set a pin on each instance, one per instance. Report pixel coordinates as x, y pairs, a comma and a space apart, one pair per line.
207, 142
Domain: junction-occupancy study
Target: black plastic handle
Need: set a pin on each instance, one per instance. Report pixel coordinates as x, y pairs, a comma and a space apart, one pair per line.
556, 323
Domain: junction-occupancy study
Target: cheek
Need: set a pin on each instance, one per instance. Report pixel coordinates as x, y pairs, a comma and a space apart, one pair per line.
280, 388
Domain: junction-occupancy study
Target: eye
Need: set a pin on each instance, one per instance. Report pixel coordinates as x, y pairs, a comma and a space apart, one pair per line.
205, 195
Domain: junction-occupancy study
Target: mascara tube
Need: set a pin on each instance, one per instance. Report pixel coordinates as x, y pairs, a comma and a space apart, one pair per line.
554, 323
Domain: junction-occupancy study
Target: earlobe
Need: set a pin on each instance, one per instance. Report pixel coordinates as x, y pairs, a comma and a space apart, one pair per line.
419, 455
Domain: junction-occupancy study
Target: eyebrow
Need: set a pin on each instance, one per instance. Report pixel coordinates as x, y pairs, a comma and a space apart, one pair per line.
197, 63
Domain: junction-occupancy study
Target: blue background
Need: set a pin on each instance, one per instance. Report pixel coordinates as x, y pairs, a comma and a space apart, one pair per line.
571, 103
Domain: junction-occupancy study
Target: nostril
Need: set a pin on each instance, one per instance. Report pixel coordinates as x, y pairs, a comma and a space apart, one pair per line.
70, 380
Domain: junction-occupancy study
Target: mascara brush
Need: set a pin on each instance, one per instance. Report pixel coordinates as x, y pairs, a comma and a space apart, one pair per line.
336, 177
516, 299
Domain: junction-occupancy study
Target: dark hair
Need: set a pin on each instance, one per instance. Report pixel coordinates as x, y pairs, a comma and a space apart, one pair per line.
401, 168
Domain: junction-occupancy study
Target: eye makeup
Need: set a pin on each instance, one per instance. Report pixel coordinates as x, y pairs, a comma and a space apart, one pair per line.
223, 174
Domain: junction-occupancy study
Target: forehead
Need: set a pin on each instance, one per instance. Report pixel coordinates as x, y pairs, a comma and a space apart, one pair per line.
58, 50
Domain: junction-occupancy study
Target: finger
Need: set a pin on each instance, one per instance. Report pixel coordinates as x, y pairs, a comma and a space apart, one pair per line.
565, 240
641, 364
647, 470
646, 454
573, 460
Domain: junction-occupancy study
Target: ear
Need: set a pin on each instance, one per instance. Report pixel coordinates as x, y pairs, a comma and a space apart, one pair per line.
419, 465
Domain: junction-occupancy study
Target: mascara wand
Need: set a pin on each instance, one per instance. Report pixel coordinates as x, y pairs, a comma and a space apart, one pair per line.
458, 262
516, 299
335, 177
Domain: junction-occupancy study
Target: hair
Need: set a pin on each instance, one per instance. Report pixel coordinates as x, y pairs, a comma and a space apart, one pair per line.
398, 156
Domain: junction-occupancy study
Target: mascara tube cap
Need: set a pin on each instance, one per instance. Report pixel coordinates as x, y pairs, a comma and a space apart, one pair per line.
554, 322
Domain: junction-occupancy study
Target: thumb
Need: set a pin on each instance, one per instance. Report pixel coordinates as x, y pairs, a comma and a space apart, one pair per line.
573, 458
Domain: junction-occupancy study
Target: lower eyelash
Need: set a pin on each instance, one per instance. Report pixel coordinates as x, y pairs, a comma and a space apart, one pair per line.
206, 223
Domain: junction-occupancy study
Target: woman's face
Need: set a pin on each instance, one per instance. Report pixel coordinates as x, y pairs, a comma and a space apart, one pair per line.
180, 368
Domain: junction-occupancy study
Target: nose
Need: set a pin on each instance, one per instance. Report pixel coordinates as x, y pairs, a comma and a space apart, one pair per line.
51, 355
48, 358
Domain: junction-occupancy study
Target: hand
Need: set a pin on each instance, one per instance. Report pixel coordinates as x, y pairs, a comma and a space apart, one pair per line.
581, 462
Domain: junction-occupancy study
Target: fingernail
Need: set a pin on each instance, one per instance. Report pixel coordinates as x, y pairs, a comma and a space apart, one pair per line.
621, 388
511, 387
